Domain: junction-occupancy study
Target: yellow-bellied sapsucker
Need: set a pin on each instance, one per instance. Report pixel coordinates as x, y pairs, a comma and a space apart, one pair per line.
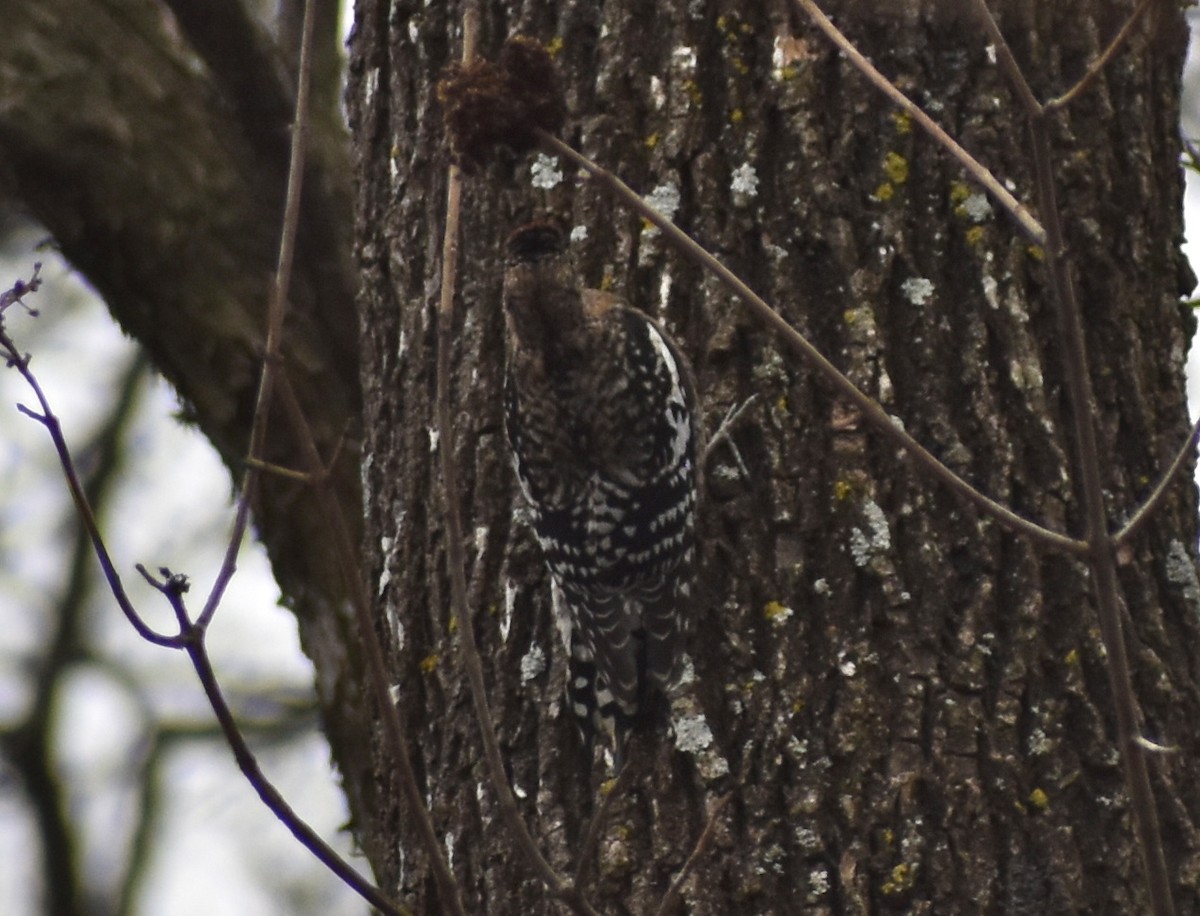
601, 417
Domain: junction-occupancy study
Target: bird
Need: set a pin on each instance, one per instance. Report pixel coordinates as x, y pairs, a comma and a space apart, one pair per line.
601, 418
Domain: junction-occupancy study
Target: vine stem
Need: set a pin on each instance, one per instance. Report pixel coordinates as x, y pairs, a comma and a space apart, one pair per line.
455, 554
1101, 555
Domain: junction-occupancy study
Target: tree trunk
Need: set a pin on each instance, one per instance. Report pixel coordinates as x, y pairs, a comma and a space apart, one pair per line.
908, 705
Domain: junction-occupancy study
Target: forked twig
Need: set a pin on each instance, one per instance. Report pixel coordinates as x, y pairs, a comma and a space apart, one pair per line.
190, 639
172, 588
83, 507
1101, 556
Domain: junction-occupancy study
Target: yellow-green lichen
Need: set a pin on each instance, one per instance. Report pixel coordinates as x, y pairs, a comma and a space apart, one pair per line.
884, 192
903, 122
843, 490
1039, 799
776, 611
651, 142
974, 235
554, 46
901, 880
896, 167
429, 663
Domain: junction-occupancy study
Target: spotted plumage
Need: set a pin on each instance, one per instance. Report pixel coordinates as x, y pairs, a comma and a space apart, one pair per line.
601, 414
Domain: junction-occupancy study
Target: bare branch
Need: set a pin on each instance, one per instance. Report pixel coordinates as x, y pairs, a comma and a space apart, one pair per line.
1146, 509
275, 313
1101, 556
47, 418
689, 866
869, 408
172, 587
1098, 65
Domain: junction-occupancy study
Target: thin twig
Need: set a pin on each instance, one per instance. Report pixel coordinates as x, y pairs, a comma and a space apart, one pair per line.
449, 892
1008, 63
1101, 556
190, 639
1146, 509
595, 829
1017, 210
82, 506
172, 588
1100, 62
448, 888
698, 851
868, 407
377, 679
455, 555
276, 305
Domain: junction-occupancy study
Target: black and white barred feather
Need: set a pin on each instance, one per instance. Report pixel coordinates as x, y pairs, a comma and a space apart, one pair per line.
601, 418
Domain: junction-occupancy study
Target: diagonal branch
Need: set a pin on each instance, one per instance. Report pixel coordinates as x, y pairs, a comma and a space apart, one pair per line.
1098, 65
1146, 509
1017, 210
869, 408
172, 588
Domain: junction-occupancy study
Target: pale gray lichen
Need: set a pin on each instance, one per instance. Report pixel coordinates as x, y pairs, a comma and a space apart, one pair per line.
917, 290
875, 540
1181, 572
533, 663
665, 199
977, 207
692, 734
744, 182
545, 172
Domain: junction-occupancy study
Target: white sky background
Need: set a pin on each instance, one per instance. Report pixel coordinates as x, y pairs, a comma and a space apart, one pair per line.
219, 851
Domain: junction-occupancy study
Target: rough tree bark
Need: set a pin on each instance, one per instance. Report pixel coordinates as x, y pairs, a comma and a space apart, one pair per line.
911, 705
908, 705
